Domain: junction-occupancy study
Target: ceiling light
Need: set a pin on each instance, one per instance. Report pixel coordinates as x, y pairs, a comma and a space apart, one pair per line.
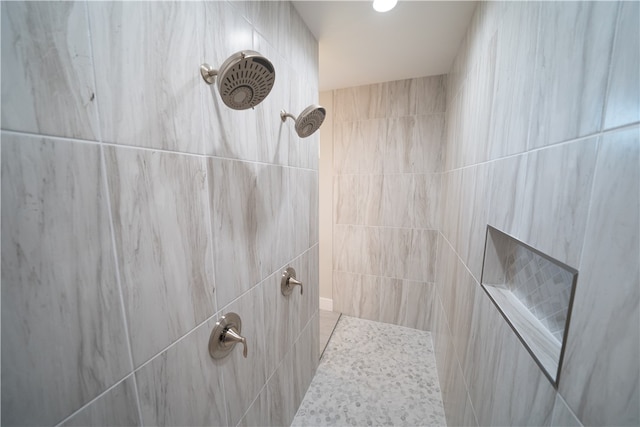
384, 5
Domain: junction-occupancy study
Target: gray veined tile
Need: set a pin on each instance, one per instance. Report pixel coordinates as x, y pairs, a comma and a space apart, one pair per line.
146, 63
562, 415
554, 208
515, 58
47, 73
226, 132
575, 40
431, 94
182, 386
607, 295
63, 332
623, 101
402, 97
245, 377
162, 237
118, 407
402, 150
361, 103
431, 134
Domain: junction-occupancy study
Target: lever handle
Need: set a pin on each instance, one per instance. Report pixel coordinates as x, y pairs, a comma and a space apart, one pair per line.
232, 336
225, 336
288, 281
293, 282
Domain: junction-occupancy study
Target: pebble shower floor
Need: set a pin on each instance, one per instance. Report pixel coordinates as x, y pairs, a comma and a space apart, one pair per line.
374, 374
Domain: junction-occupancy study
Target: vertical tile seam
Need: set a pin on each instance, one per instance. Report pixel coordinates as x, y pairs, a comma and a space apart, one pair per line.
107, 195
605, 103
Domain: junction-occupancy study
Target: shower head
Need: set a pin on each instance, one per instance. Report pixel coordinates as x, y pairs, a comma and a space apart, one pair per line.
244, 79
308, 121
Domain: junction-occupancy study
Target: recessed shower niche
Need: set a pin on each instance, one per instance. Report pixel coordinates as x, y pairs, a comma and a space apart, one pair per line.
534, 293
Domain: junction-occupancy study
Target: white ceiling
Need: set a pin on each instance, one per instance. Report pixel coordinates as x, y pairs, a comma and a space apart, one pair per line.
360, 46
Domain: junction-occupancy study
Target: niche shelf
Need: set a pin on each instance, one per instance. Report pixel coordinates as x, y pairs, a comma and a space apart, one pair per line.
534, 293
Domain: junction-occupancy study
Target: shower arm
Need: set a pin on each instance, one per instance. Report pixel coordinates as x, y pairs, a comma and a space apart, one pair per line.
284, 115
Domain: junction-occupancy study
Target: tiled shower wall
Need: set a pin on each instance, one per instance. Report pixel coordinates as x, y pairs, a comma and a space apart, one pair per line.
387, 150
543, 143
137, 209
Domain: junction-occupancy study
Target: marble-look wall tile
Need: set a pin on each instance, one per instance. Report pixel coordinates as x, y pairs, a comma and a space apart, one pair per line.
402, 150
182, 385
361, 102
272, 20
358, 146
117, 407
515, 57
431, 95
226, 132
553, 213
280, 394
410, 200
457, 404
623, 100
562, 415
305, 359
162, 239
607, 296
253, 235
245, 377
498, 365
507, 190
402, 97
416, 305
303, 186
431, 135
258, 413
59, 283
573, 62
47, 76
274, 139
147, 94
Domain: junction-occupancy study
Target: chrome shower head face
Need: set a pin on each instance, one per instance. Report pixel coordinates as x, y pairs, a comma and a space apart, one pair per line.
244, 79
308, 121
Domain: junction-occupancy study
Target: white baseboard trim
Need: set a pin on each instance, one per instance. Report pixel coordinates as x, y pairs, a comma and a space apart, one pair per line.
326, 304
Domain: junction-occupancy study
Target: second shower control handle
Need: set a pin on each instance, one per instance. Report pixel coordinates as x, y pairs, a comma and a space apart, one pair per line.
289, 281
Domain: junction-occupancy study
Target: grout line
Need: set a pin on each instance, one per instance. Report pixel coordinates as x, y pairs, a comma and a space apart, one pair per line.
152, 149
610, 67
95, 399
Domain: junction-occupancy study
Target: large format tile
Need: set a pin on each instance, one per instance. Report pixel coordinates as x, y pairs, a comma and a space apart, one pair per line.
361, 102
226, 132
47, 74
358, 146
402, 97
562, 415
575, 43
162, 238
515, 57
147, 58
117, 407
623, 100
431, 96
182, 386
605, 308
63, 332
251, 221
431, 135
245, 377
499, 366
402, 151
553, 214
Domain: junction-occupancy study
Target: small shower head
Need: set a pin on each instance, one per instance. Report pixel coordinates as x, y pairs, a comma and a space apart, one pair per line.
308, 121
244, 79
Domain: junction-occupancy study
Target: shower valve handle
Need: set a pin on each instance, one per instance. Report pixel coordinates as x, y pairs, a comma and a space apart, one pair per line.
289, 281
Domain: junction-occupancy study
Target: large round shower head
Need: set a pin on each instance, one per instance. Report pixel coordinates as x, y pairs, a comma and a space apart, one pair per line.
308, 121
244, 79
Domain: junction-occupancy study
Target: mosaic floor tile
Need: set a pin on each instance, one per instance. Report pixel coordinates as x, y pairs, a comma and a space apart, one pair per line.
374, 374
